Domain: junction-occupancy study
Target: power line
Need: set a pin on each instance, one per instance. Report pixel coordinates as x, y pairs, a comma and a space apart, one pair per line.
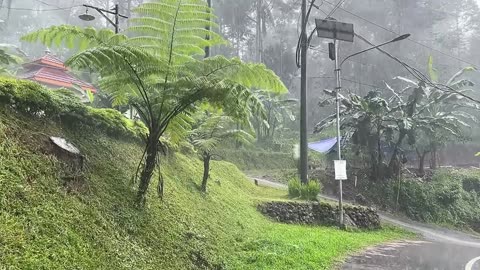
348, 80
420, 76
335, 8
393, 32
47, 4
348, 60
38, 10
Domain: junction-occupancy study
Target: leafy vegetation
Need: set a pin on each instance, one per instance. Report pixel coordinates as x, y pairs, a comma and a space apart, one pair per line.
213, 129
450, 198
422, 110
38, 102
156, 69
308, 191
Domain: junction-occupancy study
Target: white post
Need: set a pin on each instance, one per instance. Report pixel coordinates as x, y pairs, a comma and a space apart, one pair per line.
339, 148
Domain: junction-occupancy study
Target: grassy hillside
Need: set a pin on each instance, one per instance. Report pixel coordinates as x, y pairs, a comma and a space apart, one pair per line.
42, 226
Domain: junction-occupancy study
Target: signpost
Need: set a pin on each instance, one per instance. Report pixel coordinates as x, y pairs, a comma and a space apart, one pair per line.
340, 170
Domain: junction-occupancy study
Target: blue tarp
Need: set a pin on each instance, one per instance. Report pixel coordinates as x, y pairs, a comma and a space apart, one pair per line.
323, 146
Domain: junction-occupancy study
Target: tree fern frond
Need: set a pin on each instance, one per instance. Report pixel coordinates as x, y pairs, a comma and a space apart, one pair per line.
179, 128
247, 74
117, 57
74, 37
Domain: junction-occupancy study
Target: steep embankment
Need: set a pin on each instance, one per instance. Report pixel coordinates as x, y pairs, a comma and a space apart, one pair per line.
93, 224
44, 227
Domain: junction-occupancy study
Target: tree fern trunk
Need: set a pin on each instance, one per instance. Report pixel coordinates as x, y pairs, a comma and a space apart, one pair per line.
207, 49
206, 171
149, 167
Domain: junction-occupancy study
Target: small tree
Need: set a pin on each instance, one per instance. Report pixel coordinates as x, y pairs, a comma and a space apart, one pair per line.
210, 132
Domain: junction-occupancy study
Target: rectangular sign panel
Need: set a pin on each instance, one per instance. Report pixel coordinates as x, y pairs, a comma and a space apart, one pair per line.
340, 169
335, 30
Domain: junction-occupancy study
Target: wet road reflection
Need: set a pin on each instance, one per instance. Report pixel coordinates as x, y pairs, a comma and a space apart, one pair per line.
415, 255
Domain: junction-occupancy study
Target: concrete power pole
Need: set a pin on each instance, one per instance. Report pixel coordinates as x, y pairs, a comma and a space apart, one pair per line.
303, 98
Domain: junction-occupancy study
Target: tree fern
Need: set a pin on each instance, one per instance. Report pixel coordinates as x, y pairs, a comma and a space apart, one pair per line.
212, 130
157, 67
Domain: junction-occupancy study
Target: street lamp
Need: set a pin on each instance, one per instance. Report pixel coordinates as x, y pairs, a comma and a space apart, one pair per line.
339, 31
399, 38
338, 69
87, 17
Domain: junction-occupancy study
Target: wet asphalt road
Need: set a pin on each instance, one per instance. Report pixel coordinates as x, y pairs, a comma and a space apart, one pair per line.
442, 249
415, 255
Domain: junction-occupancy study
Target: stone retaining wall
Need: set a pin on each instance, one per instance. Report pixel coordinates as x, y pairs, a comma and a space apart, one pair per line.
320, 214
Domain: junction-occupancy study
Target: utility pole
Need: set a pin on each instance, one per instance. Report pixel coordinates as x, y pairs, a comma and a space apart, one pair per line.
117, 24
303, 98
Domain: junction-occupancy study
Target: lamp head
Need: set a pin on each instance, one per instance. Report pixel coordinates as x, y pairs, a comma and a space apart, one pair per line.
86, 17
402, 37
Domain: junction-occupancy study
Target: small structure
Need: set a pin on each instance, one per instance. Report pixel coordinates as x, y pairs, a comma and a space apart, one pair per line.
51, 72
327, 147
324, 146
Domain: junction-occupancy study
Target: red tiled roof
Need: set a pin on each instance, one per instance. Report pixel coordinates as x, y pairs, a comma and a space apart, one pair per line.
57, 77
51, 70
48, 60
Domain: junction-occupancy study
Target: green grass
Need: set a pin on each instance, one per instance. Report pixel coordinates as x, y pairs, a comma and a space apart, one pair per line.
44, 227
301, 247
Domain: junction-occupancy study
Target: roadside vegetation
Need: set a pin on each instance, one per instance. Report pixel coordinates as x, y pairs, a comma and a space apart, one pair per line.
48, 223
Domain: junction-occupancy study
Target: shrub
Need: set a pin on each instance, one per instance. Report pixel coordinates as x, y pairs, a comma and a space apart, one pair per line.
471, 184
309, 191
294, 188
37, 101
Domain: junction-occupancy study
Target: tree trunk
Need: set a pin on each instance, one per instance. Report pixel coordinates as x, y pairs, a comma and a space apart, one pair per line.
394, 165
421, 163
433, 158
379, 161
148, 168
206, 171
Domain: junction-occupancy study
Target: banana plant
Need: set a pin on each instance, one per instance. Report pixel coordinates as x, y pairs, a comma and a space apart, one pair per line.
374, 120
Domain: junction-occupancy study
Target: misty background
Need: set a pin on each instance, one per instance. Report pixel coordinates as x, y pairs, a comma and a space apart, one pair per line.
268, 31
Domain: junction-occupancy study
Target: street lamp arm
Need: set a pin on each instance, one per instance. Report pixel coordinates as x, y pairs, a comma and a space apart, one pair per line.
101, 10
106, 18
402, 37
